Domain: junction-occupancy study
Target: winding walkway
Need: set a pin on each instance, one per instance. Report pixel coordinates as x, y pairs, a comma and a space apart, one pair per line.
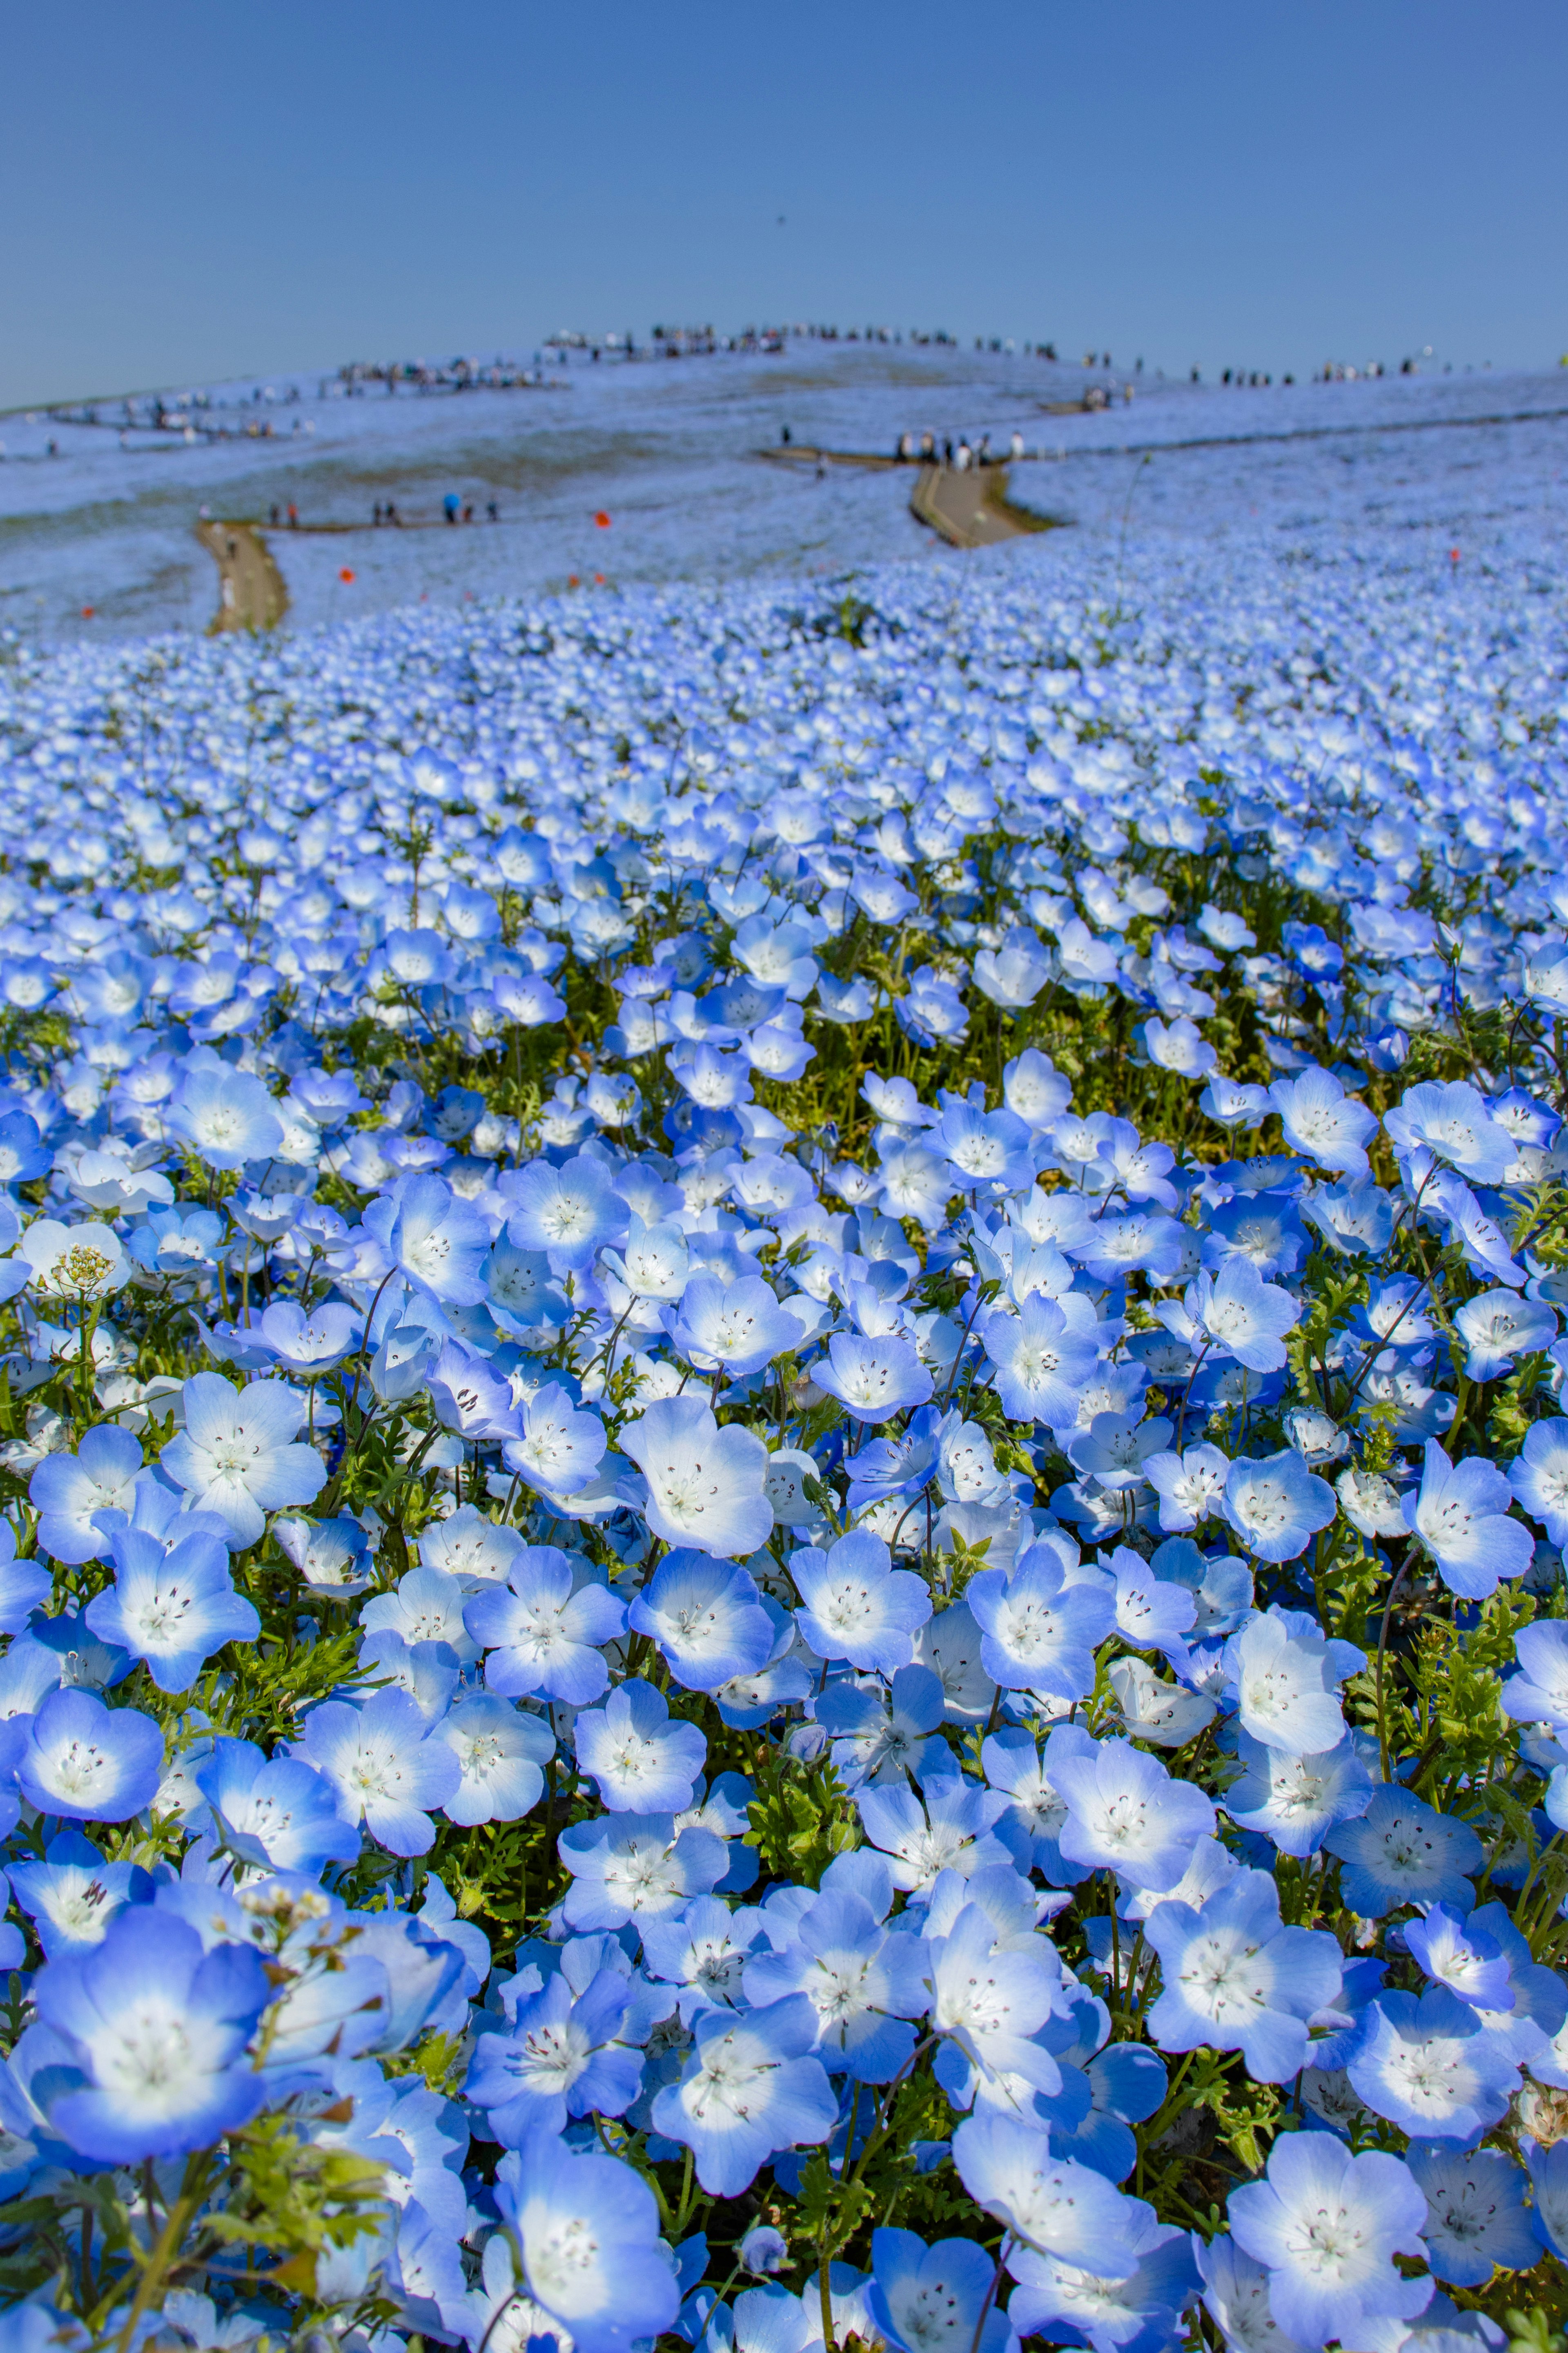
251, 592
972, 509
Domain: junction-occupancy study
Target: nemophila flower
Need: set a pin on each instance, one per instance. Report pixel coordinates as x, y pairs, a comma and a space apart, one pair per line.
881, 1736
640, 1761
279, 1813
90, 1763
1242, 1316
863, 1985
309, 1344
1040, 1632
1497, 1328
1455, 1954
429, 1234
1114, 1449
1476, 2215
425, 1605
1051, 2203
1539, 1692
172, 1608
560, 1448
936, 2299
872, 1380
1460, 1517
587, 2230
543, 1633
1164, 1713
989, 1152
635, 1867
1404, 1851
72, 1896
1152, 1613
1327, 2226
1538, 1476
83, 1262
1043, 1356
479, 1552
500, 1750
1284, 1671
1124, 1812
1275, 1504
1231, 1104
739, 1326
564, 2057
989, 1998
158, 2028
703, 1951
951, 1828
1190, 1485
1144, 2306
332, 1555
1181, 1047
1233, 1978
1452, 1122
704, 1484
856, 1606
1431, 2067
67, 1489
387, 1769
226, 1115
235, 1456
1295, 1800
1013, 1766
1323, 1122
751, 2087
707, 1618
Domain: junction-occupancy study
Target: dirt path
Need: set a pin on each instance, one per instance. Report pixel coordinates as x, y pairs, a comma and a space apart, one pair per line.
972, 509
251, 594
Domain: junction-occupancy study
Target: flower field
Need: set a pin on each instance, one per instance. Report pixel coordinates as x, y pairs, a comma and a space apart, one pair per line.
781, 1468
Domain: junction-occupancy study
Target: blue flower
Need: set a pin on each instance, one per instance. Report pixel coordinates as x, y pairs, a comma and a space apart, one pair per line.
1040, 1632
1455, 1953
739, 1326
588, 2231
433, 1238
386, 1769
1059, 2300
278, 1812
954, 1829
1053, 2204
873, 1379
73, 1894
1476, 2215
1277, 1505
562, 2057
1284, 1671
1538, 1476
1242, 1316
1497, 1328
1296, 1799
226, 1115
88, 1763
1323, 1122
635, 1867
1452, 1122
173, 1609
880, 1736
67, 1489
1327, 2226
499, 1749
158, 2028
1043, 1356
1403, 1851
1233, 1978
862, 1983
569, 1213
1124, 1812
750, 2088
1460, 1516
855, 1605
705, 1485
936, 2299
540, 1636
640, 1761
1430, 2066
707, 1618
235, 1458
559, 1449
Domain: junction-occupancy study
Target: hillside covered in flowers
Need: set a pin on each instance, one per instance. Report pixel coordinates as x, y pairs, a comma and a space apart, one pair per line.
781, 1468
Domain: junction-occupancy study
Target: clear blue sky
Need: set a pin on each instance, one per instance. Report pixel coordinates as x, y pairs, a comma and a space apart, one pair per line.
195, 191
